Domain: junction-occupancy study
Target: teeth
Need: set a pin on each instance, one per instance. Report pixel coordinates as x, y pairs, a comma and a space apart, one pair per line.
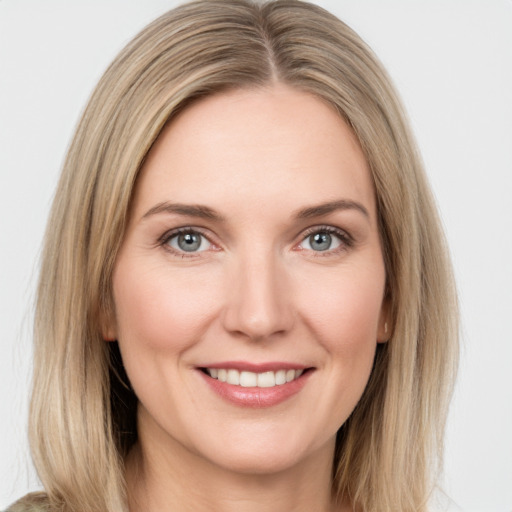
280, 377
251, 379
266, 380
233, 377
248, 379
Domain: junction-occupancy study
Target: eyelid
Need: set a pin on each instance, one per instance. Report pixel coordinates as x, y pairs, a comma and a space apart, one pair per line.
344, 236
163, 241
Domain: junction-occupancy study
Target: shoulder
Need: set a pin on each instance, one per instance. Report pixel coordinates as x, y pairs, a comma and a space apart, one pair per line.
33, 502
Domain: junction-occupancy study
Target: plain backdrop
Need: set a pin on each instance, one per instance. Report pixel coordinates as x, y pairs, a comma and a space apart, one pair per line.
451, 61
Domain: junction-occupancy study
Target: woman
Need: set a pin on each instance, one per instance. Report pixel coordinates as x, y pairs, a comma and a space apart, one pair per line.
269, 317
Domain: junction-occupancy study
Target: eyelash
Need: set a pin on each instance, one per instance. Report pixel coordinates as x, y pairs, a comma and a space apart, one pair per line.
169, 235
346, 240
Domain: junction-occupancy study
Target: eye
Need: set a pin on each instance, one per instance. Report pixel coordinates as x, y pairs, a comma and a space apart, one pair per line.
321, 241
188, 241
325, 239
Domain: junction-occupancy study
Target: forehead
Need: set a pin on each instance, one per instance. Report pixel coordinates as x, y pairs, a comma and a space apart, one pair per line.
259, 145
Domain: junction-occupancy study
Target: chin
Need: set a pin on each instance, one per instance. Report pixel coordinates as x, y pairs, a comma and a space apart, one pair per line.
266, 457
259, 464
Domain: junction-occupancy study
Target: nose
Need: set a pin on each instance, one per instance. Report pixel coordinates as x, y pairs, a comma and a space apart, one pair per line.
258, 298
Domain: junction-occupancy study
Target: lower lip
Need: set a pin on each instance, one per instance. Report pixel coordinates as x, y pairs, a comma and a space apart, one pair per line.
255, 397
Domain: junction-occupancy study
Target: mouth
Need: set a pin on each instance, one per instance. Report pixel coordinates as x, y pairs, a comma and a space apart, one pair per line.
248, 379
255, 385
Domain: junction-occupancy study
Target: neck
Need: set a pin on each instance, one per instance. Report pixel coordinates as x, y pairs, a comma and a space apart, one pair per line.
170, 477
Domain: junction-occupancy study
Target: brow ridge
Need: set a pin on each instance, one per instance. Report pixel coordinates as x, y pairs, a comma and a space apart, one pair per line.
191, 210
205, 212
330, 207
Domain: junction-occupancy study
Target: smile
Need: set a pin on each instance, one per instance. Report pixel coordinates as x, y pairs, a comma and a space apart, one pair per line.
247, 379
255, 385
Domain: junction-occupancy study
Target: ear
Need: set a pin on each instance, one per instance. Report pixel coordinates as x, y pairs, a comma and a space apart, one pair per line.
384, 328
108, 325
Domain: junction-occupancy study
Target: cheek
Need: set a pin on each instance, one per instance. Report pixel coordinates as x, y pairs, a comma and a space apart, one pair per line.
161, 310
345, 311
343, 316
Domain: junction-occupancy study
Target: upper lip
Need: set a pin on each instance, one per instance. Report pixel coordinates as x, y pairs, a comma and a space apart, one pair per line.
271, 366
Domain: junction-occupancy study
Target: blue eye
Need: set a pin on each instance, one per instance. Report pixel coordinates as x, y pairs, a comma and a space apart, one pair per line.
323, 240
188, 241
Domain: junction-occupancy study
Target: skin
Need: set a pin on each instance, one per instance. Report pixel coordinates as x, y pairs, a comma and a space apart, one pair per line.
257, 291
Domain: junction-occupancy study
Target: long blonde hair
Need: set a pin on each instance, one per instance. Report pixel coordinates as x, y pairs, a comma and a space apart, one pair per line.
82, 418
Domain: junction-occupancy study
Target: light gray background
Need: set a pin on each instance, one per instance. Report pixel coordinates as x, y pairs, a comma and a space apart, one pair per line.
451, 61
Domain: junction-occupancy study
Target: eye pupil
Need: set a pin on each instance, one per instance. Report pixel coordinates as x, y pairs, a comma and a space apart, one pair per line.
189, 242
320, 241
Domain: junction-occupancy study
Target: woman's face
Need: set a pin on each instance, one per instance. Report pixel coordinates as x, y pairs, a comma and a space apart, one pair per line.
249, 287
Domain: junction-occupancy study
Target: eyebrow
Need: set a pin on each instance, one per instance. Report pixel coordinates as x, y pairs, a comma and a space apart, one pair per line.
331, 206
190, 210
205, 212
